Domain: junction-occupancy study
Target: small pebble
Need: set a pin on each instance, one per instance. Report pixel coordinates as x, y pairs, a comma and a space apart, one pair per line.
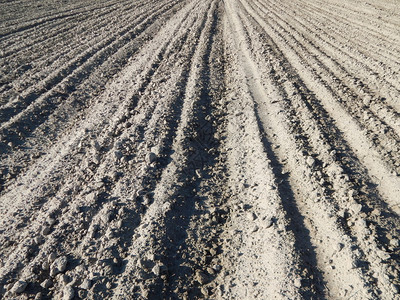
106, 217
151, 157
297, 283
51, 221
58, 266
339, 247
38, 240
96, 145
144, 264
383, 255
146, 199
367, 100
86, 284
217, 268
63, 279
118, 154
356, 208
310, 161
254, 229
394, 243
46, 284
45, 230
268, 222
52, 257
201, 277
68, 293
19, 287
159, 269
251, 216
45, 265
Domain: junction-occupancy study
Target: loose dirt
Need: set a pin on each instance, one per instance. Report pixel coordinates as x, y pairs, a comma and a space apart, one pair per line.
187, 149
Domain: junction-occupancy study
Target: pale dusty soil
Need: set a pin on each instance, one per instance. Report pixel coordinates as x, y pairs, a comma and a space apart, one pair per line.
200, 149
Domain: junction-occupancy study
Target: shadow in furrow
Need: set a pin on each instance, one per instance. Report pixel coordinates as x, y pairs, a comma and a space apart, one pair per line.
199, 145
313, 281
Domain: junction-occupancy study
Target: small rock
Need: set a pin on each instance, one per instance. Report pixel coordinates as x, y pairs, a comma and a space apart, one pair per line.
68, 293
251, 216
383, 255
19, 287
38, 240
51, 221
201, 277
254, 229
63, 279
109, 285
151, 157
394, 243
46, 230
38, 296
297, 283
204, 291
367, 100
147, 199
46, 284
159, 269
86, 284
145, 264
356, 208
118, 154
339, 247
310, 161
45, 265
91, 198
269, 222
107, 217
52, 257
96, 145
58, 266
217, 268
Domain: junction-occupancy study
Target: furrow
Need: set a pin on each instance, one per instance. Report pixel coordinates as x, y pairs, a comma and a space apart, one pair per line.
341, 53
94, 191
355, 21
370, 49
338, 172
48, 20
53, 34
76, 71
173, 196
356, 137
64, 113
314, 206
388, 133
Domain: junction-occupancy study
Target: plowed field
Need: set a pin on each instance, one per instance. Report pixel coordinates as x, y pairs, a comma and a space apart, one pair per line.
200, 149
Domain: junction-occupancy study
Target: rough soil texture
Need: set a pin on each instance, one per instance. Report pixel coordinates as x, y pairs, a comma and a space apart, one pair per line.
200, 149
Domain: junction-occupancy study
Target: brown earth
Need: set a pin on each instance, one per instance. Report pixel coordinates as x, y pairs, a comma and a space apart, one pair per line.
187, 149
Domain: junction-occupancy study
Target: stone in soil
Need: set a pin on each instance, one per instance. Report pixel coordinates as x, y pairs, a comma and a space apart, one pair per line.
58, 266
86, 284
68, 293
151, 157
46, 284
201, 277
19, 287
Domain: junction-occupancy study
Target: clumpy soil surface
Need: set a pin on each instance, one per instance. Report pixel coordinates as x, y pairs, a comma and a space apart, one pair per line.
199, 149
